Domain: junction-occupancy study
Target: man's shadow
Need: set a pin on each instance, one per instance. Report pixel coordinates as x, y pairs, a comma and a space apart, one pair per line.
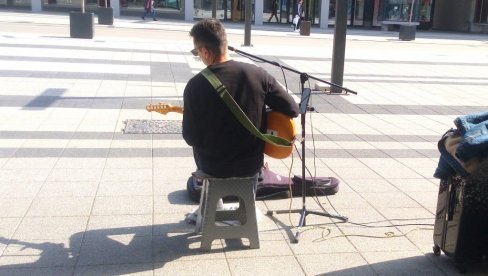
150, 244
114, 251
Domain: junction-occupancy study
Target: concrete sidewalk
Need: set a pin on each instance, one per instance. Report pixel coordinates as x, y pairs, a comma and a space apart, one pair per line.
80, 197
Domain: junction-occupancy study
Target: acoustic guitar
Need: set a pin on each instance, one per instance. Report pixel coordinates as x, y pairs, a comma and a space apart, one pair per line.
278, 125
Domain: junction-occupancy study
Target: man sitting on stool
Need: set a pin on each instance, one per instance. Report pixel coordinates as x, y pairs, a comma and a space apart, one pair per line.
222, 147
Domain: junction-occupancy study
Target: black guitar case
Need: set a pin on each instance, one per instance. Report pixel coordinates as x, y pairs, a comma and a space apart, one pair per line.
271, 185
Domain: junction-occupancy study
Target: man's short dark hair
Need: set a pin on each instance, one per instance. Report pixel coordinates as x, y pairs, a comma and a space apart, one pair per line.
210, 33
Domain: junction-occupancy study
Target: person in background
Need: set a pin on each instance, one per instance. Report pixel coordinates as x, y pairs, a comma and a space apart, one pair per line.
149, 8
299, 14
273, 11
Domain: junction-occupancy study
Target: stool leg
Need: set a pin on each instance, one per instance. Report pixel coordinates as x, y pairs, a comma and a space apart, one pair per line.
201, 207
252, 222
209, 214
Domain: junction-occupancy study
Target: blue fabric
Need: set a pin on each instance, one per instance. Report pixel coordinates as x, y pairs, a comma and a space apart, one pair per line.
474, 128
448, 165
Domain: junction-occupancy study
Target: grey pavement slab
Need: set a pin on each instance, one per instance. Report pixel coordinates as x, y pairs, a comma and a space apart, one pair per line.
80, 197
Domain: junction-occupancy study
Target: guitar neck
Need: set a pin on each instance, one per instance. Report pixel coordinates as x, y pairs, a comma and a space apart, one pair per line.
164, 108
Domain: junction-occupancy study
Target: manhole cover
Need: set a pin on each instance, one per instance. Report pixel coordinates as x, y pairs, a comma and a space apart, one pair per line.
152, 127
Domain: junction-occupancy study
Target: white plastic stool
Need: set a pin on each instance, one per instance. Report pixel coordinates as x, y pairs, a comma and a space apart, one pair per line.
213, 220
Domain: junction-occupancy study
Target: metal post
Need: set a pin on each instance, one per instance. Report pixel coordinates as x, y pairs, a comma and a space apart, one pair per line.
214, 8
339, 46
247, 28
411, 12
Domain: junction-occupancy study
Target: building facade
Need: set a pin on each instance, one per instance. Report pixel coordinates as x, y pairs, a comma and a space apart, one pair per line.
449, 15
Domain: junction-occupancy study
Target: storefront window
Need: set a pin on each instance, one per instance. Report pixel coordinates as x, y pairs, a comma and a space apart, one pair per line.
203, 8
425, 10
400, 10
481, 11
18, 3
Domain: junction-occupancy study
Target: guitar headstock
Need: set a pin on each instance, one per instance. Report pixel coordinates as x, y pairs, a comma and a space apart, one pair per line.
163, 108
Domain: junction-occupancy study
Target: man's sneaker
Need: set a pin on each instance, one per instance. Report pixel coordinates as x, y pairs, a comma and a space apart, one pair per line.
191, 218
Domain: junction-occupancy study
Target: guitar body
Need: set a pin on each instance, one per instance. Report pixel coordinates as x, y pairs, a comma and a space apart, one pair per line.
282, 126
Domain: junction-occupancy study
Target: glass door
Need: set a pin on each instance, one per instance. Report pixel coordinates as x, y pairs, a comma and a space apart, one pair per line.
481, 11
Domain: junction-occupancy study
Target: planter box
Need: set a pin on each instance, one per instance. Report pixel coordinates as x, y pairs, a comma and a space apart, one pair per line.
105, 16
81, 25
407, 32
305, 27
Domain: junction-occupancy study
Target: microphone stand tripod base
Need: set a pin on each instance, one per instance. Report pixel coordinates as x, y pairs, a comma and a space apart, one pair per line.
303, 214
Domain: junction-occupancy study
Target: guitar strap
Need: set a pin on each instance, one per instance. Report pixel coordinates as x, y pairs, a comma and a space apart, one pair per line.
239, 114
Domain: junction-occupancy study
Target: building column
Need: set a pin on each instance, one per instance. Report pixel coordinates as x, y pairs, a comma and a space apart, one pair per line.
36, 5
189, 10
258, 12
115, 5
324, 14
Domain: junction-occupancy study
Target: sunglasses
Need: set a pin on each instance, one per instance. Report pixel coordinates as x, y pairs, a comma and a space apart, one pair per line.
194, 52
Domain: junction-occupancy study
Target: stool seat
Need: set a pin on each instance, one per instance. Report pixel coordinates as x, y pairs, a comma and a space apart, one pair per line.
214, 222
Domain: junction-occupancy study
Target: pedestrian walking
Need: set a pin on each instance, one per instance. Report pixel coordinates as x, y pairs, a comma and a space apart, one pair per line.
273, 11
149, 8
297, 19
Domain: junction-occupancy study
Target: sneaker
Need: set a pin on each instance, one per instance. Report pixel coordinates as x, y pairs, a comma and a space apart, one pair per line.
154, 19
191, 218
143, 18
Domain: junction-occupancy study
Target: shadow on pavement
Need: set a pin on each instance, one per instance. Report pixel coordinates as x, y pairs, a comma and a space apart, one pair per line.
119, 250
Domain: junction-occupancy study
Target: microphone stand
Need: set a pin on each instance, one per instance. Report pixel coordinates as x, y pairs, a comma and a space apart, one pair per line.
302, 79
303, 107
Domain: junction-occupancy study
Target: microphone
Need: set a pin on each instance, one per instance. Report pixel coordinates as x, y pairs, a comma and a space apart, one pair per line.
231, 48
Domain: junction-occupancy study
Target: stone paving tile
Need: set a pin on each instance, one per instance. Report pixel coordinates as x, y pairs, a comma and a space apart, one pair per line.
7, 228
40, 253
208, 267
361, 185
136, 225
119, 175
125, 188
122, 205
85, 174
24, 174
108, 247
401, 263
38, 228
68, 189
120, 269
19, 188
335, 264
14, 206
61, 206
286, 265
19, 270
67, 162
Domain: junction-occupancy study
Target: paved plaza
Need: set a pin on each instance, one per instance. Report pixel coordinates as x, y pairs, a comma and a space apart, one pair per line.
78, 196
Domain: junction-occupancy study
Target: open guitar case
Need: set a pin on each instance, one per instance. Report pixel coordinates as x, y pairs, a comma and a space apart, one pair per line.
271, 185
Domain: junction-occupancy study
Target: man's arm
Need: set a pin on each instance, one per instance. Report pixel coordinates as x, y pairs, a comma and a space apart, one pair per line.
278, 99
190, 120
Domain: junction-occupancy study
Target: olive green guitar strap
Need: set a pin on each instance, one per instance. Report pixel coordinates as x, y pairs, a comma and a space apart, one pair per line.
238, 113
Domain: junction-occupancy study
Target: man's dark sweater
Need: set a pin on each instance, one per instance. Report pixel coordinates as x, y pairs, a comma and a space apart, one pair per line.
221, 145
